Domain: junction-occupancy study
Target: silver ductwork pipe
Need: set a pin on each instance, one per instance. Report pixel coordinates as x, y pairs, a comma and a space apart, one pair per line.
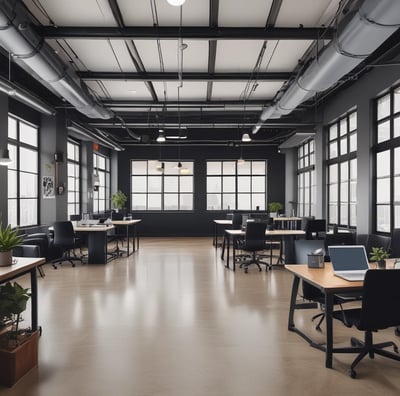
30, 51
373, 23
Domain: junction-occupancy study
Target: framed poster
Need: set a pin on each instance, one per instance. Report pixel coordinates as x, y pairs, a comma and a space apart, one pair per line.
48, 186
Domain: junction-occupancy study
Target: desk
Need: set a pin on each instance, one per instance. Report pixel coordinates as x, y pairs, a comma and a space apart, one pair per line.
217, 224
135, 236
24, 266
287, 235
97, 241
329, 284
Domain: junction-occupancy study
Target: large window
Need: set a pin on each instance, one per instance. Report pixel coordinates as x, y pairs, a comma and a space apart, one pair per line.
342, 171
236, 186
387, 183
23, 173
73, 158
101, 196
161, 185
306, 179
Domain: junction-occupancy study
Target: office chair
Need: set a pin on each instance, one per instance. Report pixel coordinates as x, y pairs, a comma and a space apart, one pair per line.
254, 242
315, 229
64, 238
375, 240
302, 248
395, 243
29, 251
341, 238
118, 235
380, 310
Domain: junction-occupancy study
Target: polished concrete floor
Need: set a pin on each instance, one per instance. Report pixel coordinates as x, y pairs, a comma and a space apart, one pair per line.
170, 320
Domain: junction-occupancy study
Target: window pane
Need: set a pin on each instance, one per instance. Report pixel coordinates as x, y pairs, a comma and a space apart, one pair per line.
383, 163
154, 201
258, 184
213, 168
383, 190
383, 218
214, 184
244, 184
186, 184
396, 127
12, 128
171, 184
28, 160
28, 134
28, 212
186, 202
154, 183
229, 167
139, 167
244, 202
12, 184
171, 202
343, 146
213, 202
139, 183
258, 168
258, 200
353, 142
397, 216
228, 184
139, 202
28, 185
333, 151
397, 100
383, 131
333, 132
244, 168
384, 106
12, 212
228, 202
353, 121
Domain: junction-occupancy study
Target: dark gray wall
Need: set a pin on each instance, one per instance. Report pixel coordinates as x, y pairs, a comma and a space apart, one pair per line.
3, 169
199, 221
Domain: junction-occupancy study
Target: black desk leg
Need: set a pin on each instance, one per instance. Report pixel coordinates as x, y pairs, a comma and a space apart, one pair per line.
293, 298
329, 330
34, 299
228, 246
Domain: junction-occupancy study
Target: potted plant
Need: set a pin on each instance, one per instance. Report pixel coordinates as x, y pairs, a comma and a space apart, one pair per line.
18, 347
379, 254
119, 199
275, 207
9, 239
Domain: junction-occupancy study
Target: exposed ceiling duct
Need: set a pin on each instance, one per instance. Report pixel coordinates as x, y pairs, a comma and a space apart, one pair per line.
296, 140
368, 27
30, 51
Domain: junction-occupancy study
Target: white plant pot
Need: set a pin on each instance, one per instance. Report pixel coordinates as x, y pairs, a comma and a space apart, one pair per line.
6, 258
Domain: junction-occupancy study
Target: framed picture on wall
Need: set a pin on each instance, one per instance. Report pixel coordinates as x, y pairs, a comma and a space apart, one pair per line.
48, 186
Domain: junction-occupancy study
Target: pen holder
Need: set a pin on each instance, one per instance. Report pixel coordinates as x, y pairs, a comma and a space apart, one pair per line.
316, 261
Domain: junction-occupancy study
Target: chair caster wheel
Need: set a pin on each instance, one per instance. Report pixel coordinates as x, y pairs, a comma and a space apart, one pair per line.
246, 270
352, 373
396, 348
397, 331
73, 265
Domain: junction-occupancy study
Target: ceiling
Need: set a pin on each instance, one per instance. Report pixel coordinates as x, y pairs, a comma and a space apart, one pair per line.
204, 71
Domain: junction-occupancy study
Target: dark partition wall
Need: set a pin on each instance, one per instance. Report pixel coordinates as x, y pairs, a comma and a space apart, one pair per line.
198, 222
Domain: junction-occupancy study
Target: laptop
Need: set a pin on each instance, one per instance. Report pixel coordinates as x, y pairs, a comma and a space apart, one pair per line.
349, 262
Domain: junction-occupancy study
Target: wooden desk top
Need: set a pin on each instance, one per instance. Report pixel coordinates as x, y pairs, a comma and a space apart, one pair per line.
23, 264
269, 232
93, 228
126, 222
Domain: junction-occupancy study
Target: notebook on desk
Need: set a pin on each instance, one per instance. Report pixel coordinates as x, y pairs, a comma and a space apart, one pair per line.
349, 262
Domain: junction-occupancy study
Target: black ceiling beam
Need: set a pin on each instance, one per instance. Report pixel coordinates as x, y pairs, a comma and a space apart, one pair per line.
188, 76
186, 103
185, 32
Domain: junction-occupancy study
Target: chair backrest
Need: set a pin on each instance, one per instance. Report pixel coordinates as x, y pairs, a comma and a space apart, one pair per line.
381, 298
305, 220
255, 236
26, 251
236, 221
75, 217
302, 247
340, 238
64, 235
314, 227
395, 243
375, 240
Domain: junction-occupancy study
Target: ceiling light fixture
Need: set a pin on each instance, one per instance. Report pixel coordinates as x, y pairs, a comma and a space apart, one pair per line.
5, 157
176, 3
246, 137
161, 136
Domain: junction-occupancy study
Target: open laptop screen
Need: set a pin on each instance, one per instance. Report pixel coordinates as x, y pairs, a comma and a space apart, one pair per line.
348, 257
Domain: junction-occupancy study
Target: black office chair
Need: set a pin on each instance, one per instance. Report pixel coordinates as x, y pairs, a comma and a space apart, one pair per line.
118, 235
64, 238
254, 242
380, 310
315, 229
375, 240
29, 251
395, 243
302, 248
341, 238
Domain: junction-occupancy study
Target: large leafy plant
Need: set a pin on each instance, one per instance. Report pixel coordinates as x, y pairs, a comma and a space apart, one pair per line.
9, 238
119, 199
13, 301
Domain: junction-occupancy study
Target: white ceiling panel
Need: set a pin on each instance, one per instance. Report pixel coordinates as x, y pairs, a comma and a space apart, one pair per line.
195, 56
234, 90
266, 90
306, 12
73, 12
191, 90
237, 55
139, 13
242, 13
283, 55
101, 55
121, 90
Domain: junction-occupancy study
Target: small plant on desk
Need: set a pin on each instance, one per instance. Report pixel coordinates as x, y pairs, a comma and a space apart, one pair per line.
379, 254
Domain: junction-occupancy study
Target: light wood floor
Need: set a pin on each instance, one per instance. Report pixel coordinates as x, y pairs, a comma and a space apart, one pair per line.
172, 321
